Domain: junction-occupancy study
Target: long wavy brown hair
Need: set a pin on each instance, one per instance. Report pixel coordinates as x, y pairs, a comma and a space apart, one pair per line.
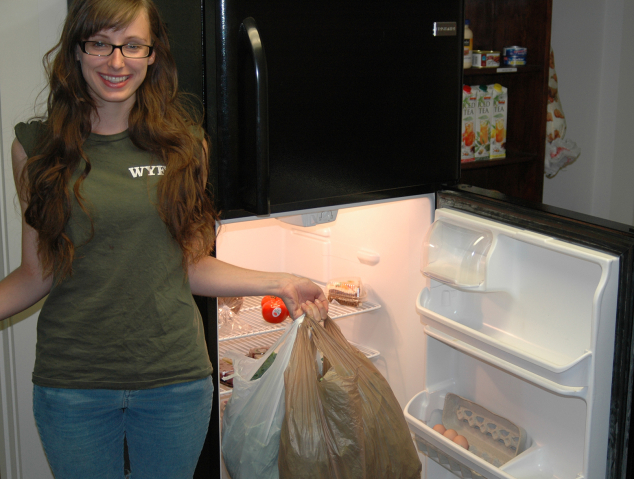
160, 122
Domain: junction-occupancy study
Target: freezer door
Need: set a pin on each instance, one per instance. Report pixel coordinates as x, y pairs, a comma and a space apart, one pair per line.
592, 234
333, 102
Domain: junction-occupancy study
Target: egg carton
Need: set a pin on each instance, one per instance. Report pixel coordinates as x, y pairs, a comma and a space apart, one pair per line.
450, 463
491, 437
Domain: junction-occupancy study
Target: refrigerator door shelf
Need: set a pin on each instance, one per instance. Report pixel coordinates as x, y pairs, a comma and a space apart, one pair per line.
488, 337
250, 322
527, 464
243, 345
532, 455
569, 391
477, 254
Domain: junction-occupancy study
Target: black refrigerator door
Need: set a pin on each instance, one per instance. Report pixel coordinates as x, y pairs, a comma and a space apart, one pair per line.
328, 103
613, 238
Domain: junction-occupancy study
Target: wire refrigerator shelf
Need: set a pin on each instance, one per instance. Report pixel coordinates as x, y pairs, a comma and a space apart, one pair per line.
249, 321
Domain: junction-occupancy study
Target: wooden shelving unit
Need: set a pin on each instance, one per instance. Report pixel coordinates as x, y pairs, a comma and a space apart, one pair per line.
497, 24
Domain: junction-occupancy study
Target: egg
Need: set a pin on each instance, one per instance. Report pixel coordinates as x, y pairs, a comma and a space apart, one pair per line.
461, 441
439, 428
450, 434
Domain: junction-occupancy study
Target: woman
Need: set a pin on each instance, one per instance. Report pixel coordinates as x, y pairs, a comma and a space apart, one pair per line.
117, 231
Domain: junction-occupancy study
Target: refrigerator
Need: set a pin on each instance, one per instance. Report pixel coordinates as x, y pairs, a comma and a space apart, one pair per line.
335, 139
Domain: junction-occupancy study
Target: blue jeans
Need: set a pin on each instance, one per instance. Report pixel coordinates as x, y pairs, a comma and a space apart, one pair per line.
82, 430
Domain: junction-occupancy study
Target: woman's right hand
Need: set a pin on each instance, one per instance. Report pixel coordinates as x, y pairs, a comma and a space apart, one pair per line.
26, 285
315, 309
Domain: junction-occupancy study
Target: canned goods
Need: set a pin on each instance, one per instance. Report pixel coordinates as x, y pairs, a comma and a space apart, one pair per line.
514, 56
513, 61
515, 50
479, 59
486, 59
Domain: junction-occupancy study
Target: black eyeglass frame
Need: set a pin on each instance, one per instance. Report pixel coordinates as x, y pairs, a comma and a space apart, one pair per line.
82, 45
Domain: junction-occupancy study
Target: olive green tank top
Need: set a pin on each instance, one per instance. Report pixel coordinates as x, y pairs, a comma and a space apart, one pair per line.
126, 318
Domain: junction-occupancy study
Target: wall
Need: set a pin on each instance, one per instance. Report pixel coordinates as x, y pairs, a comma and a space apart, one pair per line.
622, 201
595, 63
28, 28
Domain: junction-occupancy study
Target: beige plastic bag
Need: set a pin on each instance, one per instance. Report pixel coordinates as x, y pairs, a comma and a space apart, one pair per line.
345, 424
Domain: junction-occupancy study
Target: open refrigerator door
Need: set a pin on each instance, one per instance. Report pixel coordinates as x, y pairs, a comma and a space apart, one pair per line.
490, 307
520, 344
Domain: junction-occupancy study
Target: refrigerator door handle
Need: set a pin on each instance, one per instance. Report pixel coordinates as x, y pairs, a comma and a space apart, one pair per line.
262, 207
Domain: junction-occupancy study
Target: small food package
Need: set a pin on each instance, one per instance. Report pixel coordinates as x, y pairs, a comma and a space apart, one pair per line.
483, 121
469, 101
258, 352
225, 366
499, 117
231, 305
228, 319
347, 291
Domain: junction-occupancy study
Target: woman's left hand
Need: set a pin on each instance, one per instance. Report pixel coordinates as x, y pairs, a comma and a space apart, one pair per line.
301, 295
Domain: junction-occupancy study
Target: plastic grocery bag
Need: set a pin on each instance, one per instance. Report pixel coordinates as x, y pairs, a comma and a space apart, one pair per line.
559, 154
345, 423
253, 416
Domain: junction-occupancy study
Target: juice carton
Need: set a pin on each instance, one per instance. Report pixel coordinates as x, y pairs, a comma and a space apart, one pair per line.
483, 121
469, 99
498, 121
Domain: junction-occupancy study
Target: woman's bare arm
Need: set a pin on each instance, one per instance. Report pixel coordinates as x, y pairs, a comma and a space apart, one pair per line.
26, 285
212, 277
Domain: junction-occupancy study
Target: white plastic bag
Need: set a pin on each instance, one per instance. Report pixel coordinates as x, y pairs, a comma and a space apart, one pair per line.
560, 153
252, 419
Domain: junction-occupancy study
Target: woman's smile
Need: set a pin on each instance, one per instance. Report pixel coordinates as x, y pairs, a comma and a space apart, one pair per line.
114, 81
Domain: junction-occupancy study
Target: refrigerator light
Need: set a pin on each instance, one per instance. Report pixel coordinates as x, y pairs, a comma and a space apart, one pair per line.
368, 257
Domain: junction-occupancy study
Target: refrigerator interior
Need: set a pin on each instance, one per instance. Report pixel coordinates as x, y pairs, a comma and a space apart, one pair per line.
379, 243
527, 333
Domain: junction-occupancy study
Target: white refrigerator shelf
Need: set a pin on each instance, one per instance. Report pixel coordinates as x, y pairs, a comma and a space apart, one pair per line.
244, 344
569, 372
420, 412
570, 391
250, 322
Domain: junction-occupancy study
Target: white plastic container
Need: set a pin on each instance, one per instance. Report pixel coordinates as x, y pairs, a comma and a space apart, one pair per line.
456, 255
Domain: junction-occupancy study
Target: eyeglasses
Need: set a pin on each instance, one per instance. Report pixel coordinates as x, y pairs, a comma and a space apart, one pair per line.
101, 49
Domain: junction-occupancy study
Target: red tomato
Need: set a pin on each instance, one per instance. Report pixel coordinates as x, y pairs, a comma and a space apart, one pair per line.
266, 299
274, 310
